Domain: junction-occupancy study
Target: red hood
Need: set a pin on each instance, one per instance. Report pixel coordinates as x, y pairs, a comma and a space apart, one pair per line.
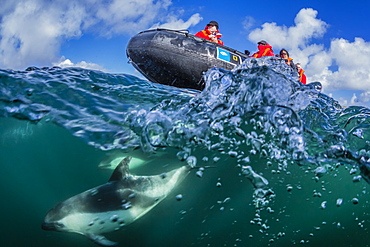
263, 47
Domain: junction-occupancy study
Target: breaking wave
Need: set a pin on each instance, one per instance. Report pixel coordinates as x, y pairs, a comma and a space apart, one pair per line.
258, 121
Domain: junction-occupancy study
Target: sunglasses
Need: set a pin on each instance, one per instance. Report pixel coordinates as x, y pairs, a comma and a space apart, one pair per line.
283, 53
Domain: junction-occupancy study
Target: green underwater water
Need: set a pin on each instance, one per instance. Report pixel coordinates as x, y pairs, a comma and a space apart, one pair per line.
57, 125
43, 164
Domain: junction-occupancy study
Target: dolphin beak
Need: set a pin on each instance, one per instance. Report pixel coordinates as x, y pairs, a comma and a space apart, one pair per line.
48, 226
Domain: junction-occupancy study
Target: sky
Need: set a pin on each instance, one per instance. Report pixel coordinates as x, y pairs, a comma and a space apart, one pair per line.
330, 39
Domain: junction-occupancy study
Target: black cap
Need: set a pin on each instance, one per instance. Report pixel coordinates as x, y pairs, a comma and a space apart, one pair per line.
213, 23
262, 42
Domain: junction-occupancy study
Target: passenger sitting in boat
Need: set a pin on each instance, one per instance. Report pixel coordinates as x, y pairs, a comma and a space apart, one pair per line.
302, 76
284, 54
264, 50
211, 33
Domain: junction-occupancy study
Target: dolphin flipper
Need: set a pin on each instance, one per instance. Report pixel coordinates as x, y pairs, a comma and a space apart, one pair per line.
100, 240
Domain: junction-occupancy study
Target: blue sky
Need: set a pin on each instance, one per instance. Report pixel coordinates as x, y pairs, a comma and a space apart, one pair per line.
330, 39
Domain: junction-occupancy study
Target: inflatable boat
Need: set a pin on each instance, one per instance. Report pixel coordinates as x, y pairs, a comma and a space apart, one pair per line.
177, 58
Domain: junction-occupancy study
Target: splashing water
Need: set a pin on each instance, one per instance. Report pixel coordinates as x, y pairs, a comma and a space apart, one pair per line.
257, 124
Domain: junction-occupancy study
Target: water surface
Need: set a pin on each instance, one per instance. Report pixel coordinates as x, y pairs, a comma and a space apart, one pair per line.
286, 159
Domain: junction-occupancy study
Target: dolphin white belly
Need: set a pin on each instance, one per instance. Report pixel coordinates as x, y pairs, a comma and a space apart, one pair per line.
110, 206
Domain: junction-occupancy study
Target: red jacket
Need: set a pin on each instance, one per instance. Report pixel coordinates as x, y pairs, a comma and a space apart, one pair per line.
302, 76
264, 51
204, 34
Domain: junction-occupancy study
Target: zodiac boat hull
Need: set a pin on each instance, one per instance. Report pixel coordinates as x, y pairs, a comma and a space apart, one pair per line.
177, 58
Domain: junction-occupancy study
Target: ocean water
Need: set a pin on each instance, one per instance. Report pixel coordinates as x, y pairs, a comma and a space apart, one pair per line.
287, 164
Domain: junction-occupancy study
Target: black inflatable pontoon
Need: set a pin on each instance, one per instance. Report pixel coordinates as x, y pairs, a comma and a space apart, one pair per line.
177, 58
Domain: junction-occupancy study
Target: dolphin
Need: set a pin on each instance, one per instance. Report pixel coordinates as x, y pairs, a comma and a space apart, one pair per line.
113, 158
110, 206
111, 162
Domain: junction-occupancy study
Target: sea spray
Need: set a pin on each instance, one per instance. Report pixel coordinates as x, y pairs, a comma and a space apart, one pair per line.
257, 116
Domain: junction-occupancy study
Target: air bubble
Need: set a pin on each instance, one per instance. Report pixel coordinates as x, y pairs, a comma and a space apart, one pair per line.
216, 159
289, 188
320, 171
233, 154
93, 192
192, 161
199, 173
182, 155
355, 201
127, 205
352, 171
114, 218
132, 195
356, 179
227, 200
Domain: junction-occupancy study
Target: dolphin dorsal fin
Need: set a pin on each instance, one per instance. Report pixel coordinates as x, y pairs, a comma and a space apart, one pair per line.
121, 170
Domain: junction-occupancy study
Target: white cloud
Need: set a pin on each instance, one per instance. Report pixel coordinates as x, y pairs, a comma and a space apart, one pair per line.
352, 59
343, 101
248, 22
362, 99
6, 6
32, 31
342, 66
306, 27
172, 22
354, 99
128, 16
65, 63
365, 96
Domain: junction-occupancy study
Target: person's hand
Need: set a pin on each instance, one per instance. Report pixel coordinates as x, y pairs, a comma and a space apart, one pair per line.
213, 38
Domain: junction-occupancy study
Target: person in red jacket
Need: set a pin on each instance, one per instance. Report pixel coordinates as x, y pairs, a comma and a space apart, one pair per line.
302, 76
264, 50
211, 33
284, 54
